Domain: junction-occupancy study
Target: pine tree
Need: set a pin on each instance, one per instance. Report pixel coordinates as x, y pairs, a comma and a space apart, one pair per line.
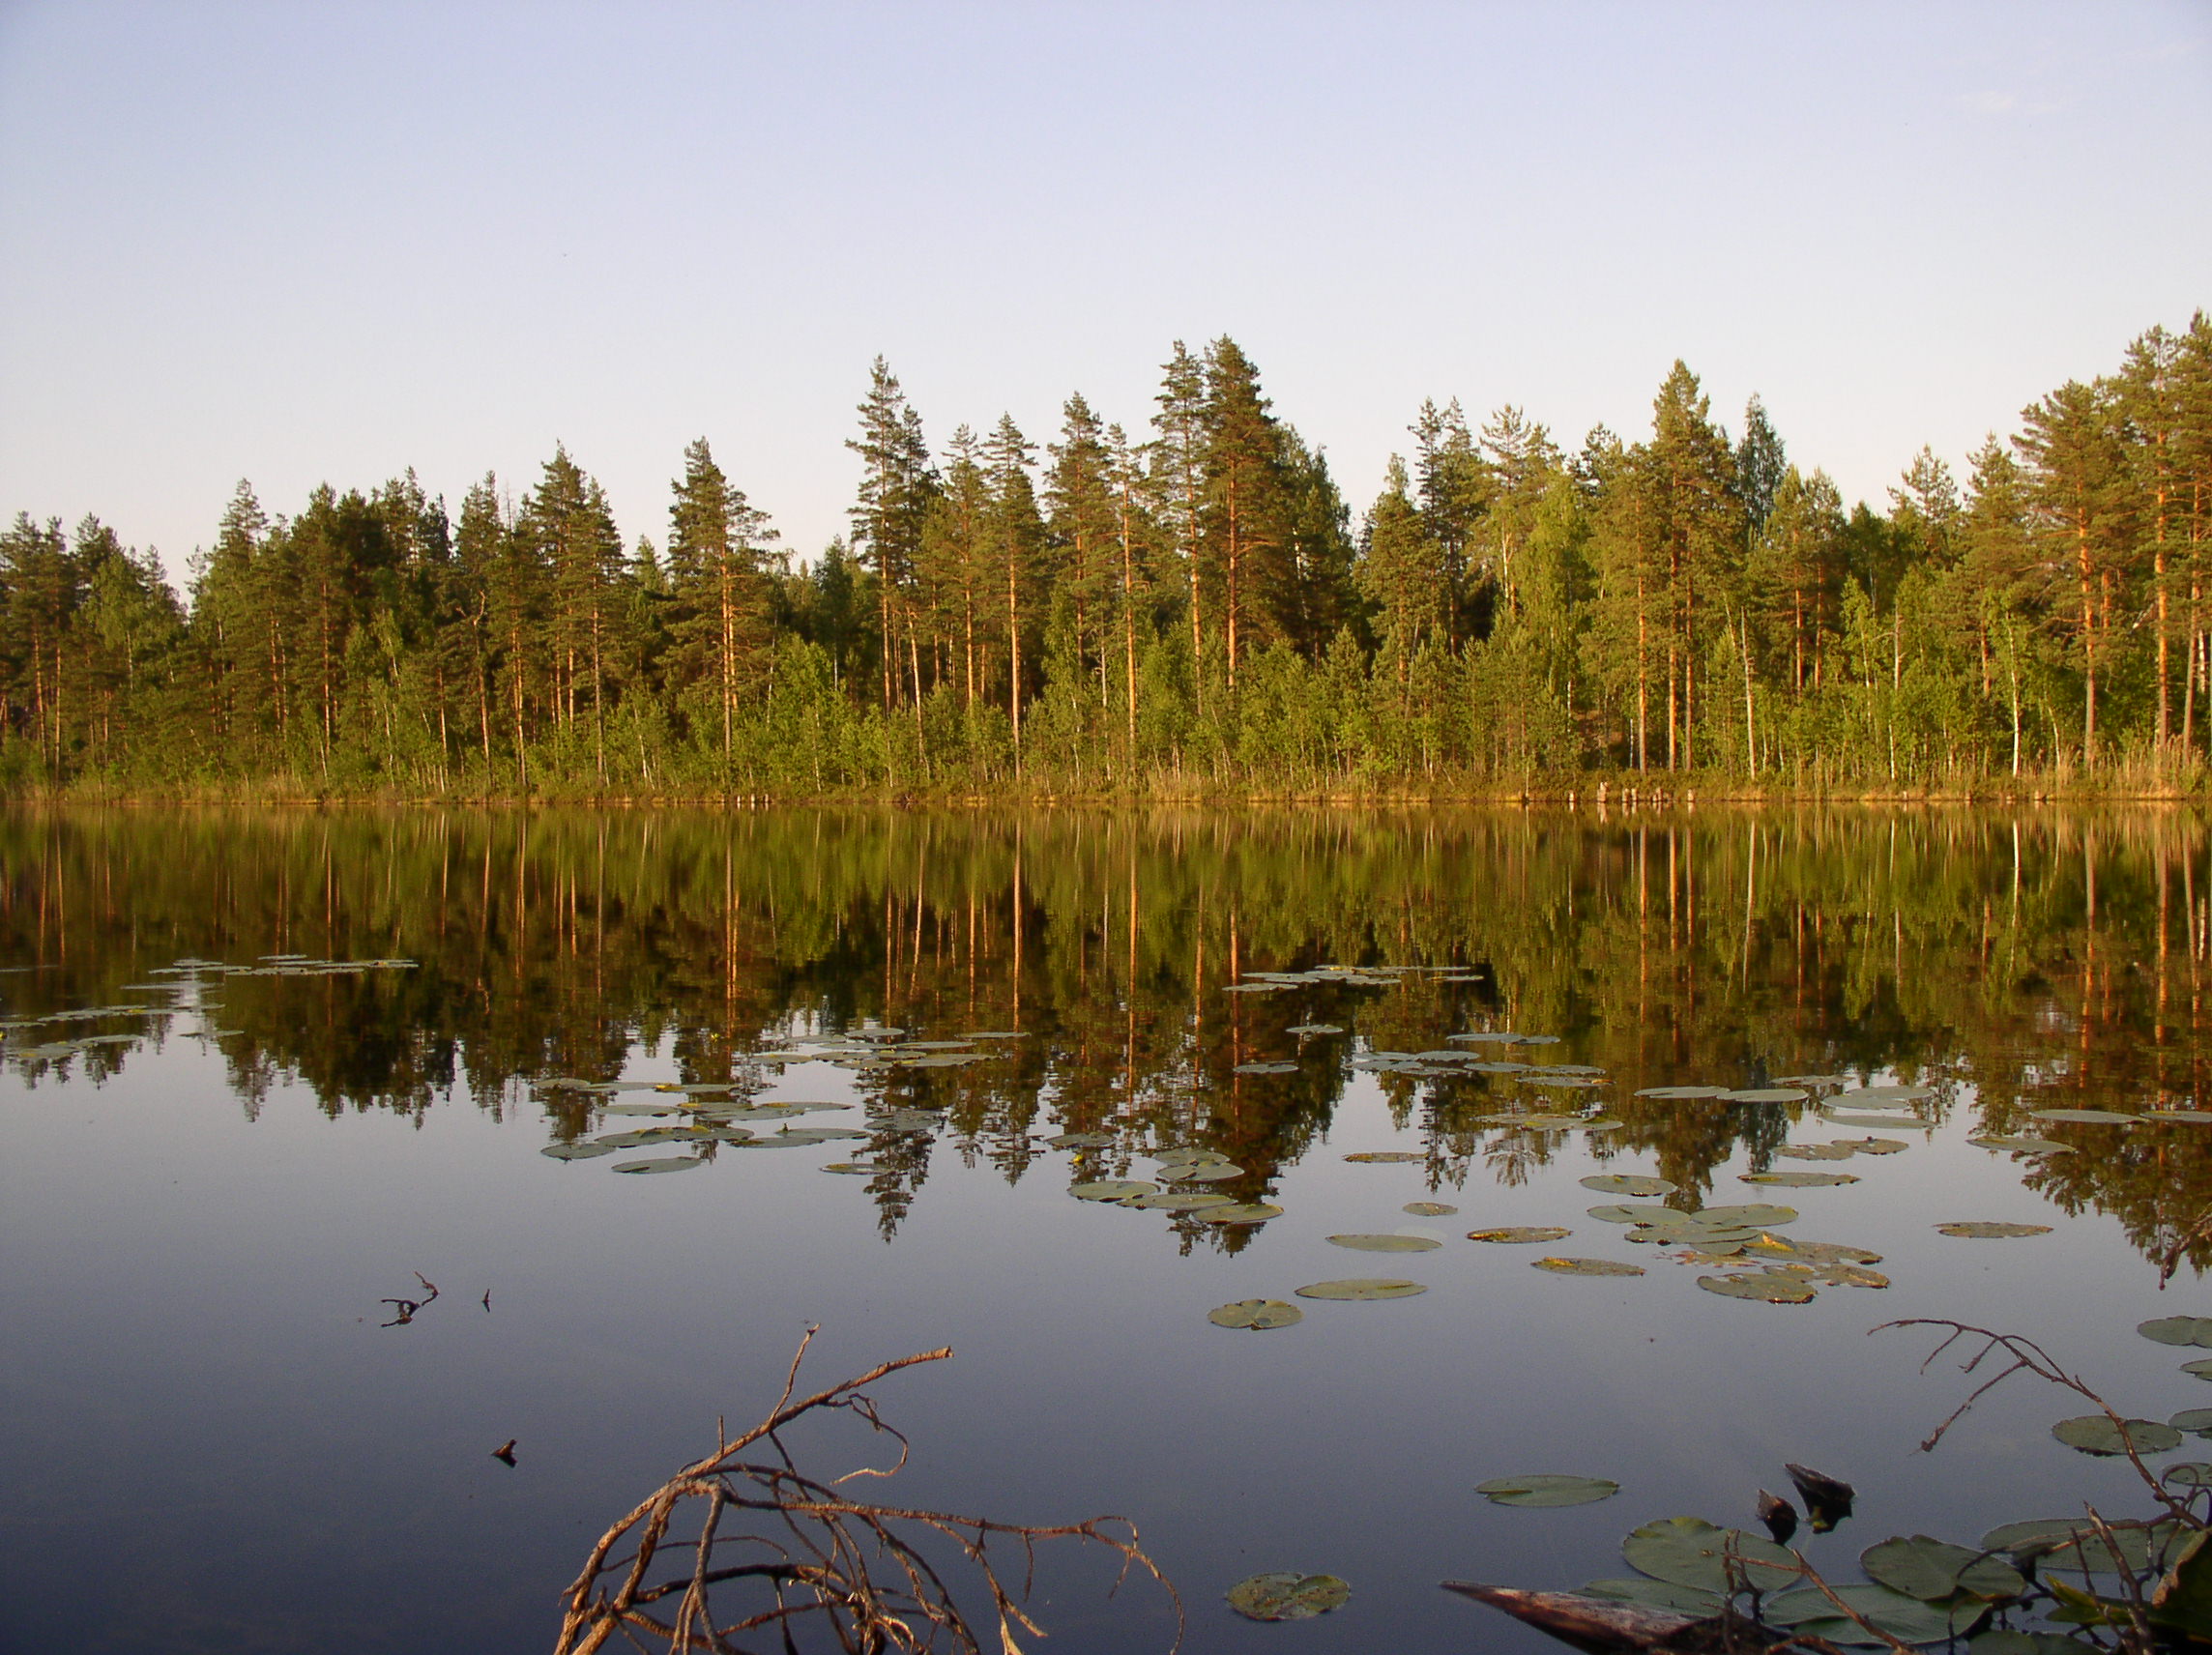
2077, 474
1178, 455
1244, 500
1015, 536
718, 599
897, 483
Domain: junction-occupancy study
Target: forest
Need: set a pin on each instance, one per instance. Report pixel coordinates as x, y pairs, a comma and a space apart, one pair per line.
1186, 610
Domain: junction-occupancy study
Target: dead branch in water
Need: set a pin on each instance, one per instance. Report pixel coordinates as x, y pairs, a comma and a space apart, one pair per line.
851, 1570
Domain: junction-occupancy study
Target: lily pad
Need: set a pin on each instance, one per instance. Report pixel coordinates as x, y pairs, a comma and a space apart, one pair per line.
1256, 1313
2178, 1330
2019, 1145
1656, 1594
1983, 1232
1375, 1157
1198, 1173
2196, 1421
1271, 1068
1312, 1028
1815, 1080
1908, 1619
1910, 1123
1587, 1267
1081, 1141
1932, 1570
1627, 1183
1637, 1212
1113, 1189
1288, 1596
2097, 1434
668, 1164
1361, 1243
1799, 1180
856, 1169
576, 1151
1519, 1233
1179, 1200
1429, 1208
1767, 1095
1770, 1287
1241, 1212
1546, 1489
1878, 1146
2087, 1117
1690, 1551
1884, 1095
1368, 1288
1682, 1093
1816, 1151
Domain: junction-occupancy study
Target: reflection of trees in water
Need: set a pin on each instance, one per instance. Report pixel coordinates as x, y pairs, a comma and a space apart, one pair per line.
2055, 960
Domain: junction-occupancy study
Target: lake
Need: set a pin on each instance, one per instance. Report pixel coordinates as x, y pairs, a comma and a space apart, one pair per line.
268, 1075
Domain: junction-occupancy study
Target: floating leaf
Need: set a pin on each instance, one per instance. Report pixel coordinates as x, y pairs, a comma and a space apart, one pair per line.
2097, 1434
2196, 1421
1758, 1214
1587, 1267
1367, 1288
2025, 1147
1081, 1141
1814, 1081
1816, 1151
1637, 1212
1312, 1028
1767, 1095
1381, 1155
1799, 1180
1690, 1551
1384, 1243
1113, 1189
1288, 1597
1518, 1233
1911, 1122
1546, 1489
1908, 1620
1179, 1200
1983, 1232
636, 1108
1429, 1208
1200, 1173
1810, 1252
1627, 1183
1656, 1594
856, 1168
1241, 1212
2178, 1330
2090, 1116
2190, 1117
2198, 1370
1266, 1068
1932, 1570
649, 1135
1682, 1093
1256, 1313
1772, 1286
671, 1163
576, 1151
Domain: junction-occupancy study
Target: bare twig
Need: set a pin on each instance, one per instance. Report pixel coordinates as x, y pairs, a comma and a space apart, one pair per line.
857, 1574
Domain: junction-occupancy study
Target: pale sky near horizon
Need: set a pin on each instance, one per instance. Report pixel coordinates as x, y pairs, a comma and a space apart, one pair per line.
306, 242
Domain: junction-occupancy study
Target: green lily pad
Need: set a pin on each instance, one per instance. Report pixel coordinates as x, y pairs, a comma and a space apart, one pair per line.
669, 1164
1429, 1208
1637, 1212
1904, 1619
1513, 1233
636, 1109
1375, 1157
1771, 1287
2188, 1117
1755, 1214
1874, 1146
1817, 1082
2023, 1145
1179, 1200
1627, 1183
2087, 1117
2097, 1433
1656, 1594
1816, 1151
857, 1169
1978, 1231
1767, 1095
1384, 1243
1272, 1069
1546, 1489
1682, 1093
1199, 1173
1690, 1551
1312, 1028
1256, 1313
2196, 1421
2178, 1330
1587, 1267
1885, 1094
1799, 1180
576, 1151
1368, 1288
1241, 1212
1113, 1189
1932, 1570
1081, 1141
1910, 1123
1288, 1596
1810, 1252
2198, 1370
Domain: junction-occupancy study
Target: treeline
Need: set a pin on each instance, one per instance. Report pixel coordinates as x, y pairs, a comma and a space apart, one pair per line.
1187, 609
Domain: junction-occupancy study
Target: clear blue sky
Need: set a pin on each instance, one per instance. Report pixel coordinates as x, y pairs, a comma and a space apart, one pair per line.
306, 240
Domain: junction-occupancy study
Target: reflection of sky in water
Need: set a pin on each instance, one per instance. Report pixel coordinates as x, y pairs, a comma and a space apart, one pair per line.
214, 1439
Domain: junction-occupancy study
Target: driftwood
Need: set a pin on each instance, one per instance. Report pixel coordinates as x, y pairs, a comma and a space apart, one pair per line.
782, 1559
1606, 1626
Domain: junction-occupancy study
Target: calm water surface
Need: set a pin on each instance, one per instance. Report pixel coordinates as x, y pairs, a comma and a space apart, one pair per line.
213, 1443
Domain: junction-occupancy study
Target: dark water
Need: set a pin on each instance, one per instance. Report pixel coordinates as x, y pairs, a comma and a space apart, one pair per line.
212, 1444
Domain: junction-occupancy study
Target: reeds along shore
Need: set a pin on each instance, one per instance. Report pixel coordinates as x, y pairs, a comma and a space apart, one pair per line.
1187, 612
